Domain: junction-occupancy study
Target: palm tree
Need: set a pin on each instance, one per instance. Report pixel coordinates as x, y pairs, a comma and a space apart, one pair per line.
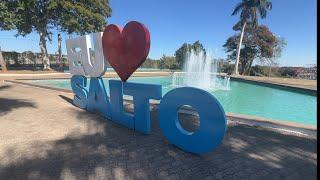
249, 10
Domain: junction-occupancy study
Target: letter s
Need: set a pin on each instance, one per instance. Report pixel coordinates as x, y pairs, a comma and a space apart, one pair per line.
78, 84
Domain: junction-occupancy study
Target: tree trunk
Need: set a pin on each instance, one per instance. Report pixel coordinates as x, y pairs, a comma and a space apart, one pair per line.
270, 70
44, 53
236, 71
60, 52
3, 62
249, 68
242, 67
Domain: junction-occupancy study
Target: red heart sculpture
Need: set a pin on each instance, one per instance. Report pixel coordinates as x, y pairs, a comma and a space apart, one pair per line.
126, 49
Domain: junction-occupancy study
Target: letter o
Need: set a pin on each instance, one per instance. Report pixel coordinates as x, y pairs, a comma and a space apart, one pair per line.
212, 117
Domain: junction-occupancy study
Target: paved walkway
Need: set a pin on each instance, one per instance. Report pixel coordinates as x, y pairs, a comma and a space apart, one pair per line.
43, 136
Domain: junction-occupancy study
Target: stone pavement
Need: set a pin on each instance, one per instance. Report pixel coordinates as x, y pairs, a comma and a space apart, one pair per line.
43, 136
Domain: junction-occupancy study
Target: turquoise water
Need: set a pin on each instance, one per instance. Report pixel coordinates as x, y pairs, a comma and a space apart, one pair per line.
243, 98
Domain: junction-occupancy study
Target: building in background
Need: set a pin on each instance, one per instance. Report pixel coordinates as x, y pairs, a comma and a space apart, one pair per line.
309, 72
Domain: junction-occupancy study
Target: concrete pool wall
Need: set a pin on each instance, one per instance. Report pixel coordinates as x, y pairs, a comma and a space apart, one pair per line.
287, 87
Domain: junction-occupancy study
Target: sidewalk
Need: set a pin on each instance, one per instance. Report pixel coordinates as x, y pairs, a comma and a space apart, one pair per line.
44, 136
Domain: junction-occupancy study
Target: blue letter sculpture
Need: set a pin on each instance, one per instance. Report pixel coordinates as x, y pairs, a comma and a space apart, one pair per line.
78, 84
98, 100
142, 93
212, 116
212, 120
116, 98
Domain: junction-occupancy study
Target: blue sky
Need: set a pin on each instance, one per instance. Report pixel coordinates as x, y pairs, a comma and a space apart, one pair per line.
173, 22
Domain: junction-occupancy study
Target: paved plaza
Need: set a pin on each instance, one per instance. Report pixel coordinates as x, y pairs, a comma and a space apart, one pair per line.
43, 136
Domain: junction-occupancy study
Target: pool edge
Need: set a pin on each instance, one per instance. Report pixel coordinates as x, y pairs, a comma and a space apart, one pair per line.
302, 90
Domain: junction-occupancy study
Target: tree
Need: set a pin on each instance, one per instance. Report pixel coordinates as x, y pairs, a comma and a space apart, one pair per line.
249, 11
168, 62
6, 23
182, 52
289, 71
151, 63
11, 56
258, 43
277, 51
224, 66
3, 63
42, 16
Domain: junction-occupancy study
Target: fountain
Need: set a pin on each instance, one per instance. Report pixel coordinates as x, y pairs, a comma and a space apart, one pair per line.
200, 70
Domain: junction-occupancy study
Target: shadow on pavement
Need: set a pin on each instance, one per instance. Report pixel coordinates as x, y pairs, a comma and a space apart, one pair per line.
4, 87
121, 153
67, 99
9, 104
